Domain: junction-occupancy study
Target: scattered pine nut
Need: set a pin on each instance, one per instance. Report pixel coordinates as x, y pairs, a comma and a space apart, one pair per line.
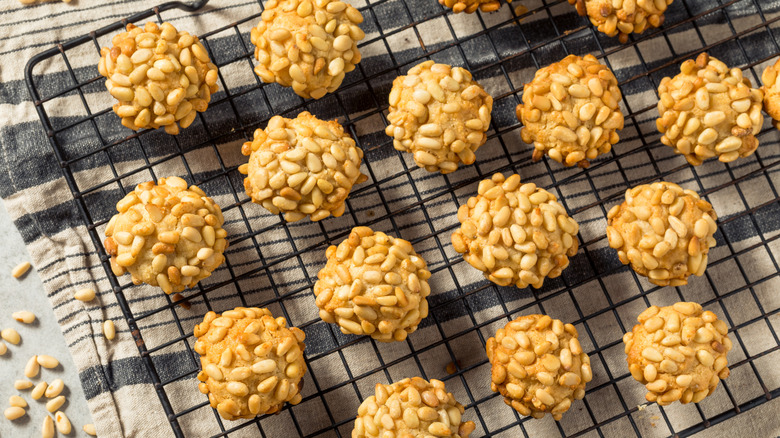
84, 294
11, 335
55, 403
3, 348
14, 412
20, 269
47, 361
39, 390
24, 316
89, 429
47, 430
23, 384
17, 401
62, 422
55, 388
109, 330
32, 368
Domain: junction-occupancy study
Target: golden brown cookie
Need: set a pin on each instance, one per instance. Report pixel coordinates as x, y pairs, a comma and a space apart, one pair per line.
166, 235
538, 365
159, 75
613, 17
678, 352
515, 233
411, 408
251, 363
439, 114
570, 111
301, 167
307, 44
709, 110
771, 90
663, 231
469, 6
373, 284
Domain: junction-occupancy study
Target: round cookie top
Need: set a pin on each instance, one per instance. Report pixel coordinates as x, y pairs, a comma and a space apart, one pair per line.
663, 231
373, 284
411, 408
301, 166
251, 362
166, 235
515, 233
439, 114
570, 111
771, 90
538, 365
709, 110
678, 352
469, 6
307, 44
159, 75
623, 17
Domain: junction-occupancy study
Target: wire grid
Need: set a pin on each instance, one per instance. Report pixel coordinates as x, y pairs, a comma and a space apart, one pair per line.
587, 289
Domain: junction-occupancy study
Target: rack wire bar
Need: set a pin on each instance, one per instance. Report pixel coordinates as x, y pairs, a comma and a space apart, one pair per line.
271, 263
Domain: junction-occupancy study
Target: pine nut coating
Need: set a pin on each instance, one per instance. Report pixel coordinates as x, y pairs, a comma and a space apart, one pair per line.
159, 226
251, 362
161, 77
439, 114
570, 111
307, 45
515, 233
678, 352
538, 365
623, 17
709, 110
664, 232
373, 284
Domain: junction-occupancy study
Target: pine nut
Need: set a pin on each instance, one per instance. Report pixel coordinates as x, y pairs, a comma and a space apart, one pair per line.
14, 412
11, 336
89, 429
55, 388
55, 403
109, 330
47, 361
17, 401
20, 269
62, 422
47, 430
32, 368
23, 384
3, 348
39, 390
84, 294
24, 316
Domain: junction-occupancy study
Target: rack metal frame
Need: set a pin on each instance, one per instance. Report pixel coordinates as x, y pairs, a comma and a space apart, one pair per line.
562, 30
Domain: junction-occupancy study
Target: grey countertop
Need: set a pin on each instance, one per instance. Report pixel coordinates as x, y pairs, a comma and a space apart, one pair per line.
42, 337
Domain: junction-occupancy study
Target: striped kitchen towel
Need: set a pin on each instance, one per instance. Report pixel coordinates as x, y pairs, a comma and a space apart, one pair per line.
274, 264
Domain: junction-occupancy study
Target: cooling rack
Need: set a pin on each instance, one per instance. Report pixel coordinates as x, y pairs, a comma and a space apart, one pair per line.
596, 293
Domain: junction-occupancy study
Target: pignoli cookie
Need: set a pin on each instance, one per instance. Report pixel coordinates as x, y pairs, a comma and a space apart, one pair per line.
301, 167
771, 90
623, 17
570, 111
251, 362
538, 365
440, 115
411, 408
373, 284
678, 352
515, 233
159, 75
166, 235
709, 110
308, 45
663, 231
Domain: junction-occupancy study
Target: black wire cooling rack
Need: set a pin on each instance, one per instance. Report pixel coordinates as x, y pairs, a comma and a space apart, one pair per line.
596, 293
